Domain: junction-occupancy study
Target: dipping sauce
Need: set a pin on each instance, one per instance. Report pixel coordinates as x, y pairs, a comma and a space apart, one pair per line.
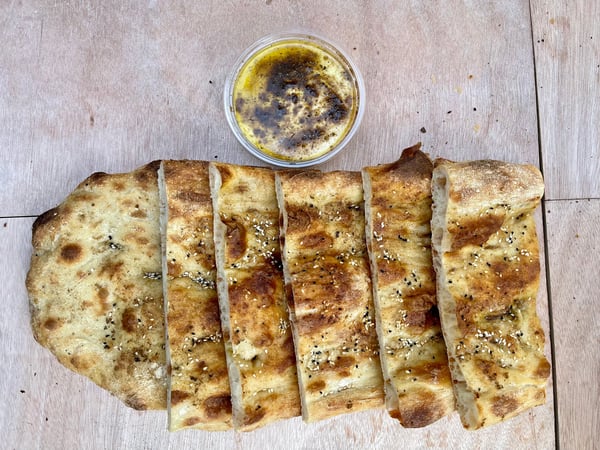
295, 100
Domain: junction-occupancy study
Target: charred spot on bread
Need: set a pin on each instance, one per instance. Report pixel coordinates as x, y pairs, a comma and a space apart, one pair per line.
193, 196
503, 405
178, 396
71, 252
217, 405
129, 320
475, 232
51, 323
236, 239
137, 403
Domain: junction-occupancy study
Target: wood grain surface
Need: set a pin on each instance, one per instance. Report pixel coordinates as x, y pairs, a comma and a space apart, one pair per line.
573, 229
567, 55
108, 86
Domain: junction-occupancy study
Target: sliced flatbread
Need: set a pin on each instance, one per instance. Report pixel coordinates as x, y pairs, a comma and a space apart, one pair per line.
486, 255
327, 269
94, 285
254, 314
199, 394
418, 386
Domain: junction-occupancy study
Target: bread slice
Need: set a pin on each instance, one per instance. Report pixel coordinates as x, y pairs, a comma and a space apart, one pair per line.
413, 354
327, 269
254, 314
94, 285
486, 256
199, 394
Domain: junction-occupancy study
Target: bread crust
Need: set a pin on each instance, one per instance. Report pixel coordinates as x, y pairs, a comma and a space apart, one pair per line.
94, 285
199, 395
413, 354
486, 255
254, 313
326, 267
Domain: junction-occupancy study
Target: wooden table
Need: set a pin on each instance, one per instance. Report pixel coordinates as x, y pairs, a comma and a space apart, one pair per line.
108, 86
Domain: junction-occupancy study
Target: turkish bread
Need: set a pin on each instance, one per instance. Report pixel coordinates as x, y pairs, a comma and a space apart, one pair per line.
199, 395
254, 314
486, 256
418, 386
95, 285
327, 271
237, 296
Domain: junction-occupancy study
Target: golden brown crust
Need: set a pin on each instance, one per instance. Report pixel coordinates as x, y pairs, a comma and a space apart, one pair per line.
414, 362
94, 285
199, 385
326, 267
486, 254
254, 311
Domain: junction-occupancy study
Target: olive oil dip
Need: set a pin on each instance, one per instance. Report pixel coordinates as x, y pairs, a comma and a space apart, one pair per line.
294, 100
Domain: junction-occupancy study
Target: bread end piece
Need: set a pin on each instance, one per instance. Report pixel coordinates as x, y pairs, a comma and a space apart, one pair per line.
486, 255
86, 260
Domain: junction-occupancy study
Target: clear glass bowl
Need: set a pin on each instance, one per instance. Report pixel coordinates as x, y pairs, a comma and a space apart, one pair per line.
294, 99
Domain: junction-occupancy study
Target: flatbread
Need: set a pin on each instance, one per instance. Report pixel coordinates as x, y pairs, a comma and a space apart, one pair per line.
327, 269
94, 285
199, 395
254, 312
413, 354
486, 256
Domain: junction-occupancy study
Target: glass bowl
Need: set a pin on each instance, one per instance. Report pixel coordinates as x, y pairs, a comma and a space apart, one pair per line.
294, 99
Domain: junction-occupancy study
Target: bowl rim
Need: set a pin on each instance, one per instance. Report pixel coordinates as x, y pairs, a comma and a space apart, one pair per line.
275, 38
